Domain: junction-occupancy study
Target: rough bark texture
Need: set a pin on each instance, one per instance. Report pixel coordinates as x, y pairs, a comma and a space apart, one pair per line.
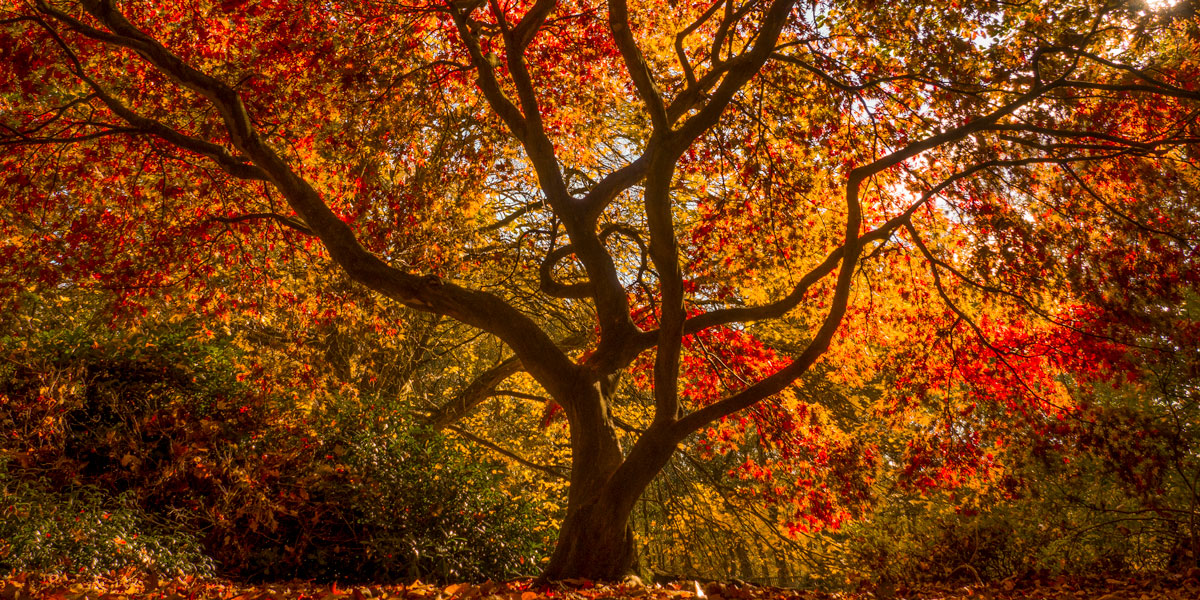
595, 542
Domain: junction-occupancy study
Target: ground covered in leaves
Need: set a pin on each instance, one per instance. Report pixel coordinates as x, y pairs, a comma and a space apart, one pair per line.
1160, 587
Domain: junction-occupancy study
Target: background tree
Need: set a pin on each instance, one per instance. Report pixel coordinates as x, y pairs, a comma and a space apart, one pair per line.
651, 178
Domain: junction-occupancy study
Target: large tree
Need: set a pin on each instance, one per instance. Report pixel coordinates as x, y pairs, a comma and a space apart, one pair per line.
670, 174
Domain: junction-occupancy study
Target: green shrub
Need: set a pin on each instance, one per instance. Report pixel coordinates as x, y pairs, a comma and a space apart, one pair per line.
410, 504
85, 532
167, 420
917, 539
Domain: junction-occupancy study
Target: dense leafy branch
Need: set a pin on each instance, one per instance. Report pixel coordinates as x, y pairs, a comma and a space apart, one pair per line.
478, 308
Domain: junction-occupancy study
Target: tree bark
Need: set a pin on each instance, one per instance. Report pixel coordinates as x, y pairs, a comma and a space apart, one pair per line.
596, 540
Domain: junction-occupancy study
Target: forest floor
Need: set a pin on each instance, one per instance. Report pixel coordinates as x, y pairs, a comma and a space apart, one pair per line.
127, 587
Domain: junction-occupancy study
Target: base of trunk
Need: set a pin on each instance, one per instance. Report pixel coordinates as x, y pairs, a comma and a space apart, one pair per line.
593, 544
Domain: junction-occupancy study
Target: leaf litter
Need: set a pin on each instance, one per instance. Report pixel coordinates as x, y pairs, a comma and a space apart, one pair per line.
127, 586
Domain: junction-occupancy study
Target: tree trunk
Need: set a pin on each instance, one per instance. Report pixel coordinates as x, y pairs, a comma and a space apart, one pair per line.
596, 540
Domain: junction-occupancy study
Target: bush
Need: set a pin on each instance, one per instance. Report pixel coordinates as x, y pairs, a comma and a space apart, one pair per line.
85, 532
918, 539
1110, 490
399, 503
161, 419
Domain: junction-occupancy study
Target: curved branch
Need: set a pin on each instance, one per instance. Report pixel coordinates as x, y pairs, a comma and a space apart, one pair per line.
487, 82
1112, 209
219, 154
537, 351
529, 25
747, 65
554, 471
612, 305
835, 82
1144, 146
746, 314
689, 74
634, 235
20, 138
278, 218
610, 187
777, 382
473, 395
557, 289
639, 71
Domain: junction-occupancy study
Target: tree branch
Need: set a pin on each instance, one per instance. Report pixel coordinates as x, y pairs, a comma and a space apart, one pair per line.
473, 395
554, 471
541, 357
639, 71
278, 218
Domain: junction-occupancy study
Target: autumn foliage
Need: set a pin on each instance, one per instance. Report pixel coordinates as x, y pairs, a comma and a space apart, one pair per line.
813, 263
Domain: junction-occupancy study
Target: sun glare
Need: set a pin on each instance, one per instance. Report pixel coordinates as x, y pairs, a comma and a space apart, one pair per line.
1160, 5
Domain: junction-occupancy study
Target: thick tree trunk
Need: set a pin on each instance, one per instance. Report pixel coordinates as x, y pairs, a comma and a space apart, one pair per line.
596, 540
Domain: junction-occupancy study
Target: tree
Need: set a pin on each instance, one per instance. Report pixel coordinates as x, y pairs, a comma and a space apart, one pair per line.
661, 172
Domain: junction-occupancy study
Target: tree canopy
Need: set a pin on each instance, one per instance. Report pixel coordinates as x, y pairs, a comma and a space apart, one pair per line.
680, 221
